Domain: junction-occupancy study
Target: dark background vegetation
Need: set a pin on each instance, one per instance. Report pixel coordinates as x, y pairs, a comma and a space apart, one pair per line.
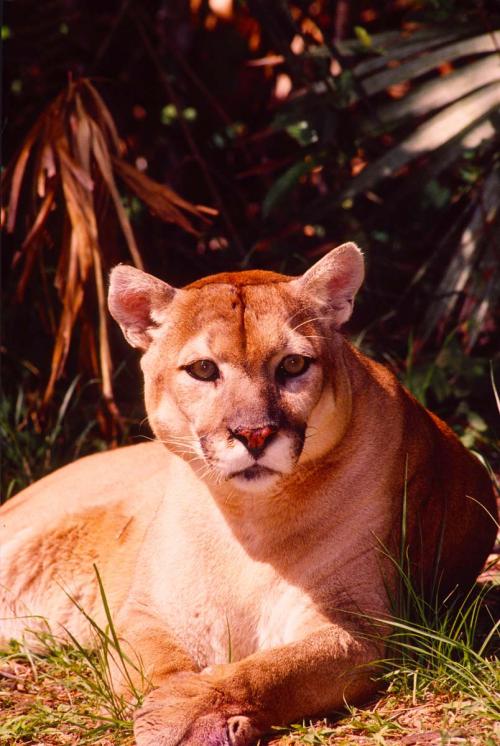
275, 117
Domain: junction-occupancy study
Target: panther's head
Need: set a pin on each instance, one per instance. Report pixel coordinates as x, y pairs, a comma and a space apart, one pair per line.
242, 371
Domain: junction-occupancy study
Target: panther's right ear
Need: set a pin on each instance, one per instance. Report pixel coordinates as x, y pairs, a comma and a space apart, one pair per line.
136, 301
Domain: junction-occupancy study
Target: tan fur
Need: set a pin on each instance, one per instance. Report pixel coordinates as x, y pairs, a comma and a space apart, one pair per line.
202, 563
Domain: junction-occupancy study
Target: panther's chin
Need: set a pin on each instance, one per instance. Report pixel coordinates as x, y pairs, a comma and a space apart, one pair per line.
255, 478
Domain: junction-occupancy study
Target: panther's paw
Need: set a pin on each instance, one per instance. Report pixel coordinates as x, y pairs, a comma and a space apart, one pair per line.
189, 711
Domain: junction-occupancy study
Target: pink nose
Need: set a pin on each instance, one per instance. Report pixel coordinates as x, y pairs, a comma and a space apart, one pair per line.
255, 439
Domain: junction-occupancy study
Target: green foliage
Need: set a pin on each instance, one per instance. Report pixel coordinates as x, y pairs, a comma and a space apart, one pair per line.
445, 645
35, 442
94, 709
107, 652
85, 714
441, 651
285, 183
436, 195
457, 386
449, 645
363, 36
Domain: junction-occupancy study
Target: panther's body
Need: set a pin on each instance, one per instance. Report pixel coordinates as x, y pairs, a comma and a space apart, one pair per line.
243, 563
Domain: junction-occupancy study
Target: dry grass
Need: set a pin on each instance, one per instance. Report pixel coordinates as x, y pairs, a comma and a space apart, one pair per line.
43, 704
50, 701
434, 720
55, 700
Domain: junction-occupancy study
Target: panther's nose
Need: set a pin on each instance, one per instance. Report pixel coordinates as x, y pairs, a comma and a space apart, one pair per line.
255, 439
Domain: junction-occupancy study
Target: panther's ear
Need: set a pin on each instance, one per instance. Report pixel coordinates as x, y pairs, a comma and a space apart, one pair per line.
335, 280
136, 301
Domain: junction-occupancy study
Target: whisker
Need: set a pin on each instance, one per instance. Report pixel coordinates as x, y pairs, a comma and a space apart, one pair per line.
181, 439
316, 336
195, 458
308, 321
302, 309
183, 446
182, 442
189, 453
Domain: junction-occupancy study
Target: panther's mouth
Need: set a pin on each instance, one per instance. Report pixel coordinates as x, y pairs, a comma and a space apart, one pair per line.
253, 472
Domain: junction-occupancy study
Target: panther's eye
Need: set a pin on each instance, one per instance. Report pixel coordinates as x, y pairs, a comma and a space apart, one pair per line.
203, 370
292, 366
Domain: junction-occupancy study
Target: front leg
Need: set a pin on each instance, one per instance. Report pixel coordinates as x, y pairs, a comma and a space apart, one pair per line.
230, 705
151, 653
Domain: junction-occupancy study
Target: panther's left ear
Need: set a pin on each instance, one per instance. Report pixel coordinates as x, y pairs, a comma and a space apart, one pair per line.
335, 280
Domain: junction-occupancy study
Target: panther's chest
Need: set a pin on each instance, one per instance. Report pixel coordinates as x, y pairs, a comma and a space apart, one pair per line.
223, 617
220, 603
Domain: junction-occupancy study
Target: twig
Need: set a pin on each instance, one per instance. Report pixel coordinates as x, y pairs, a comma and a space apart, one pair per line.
103, 48
181, 61
342, 20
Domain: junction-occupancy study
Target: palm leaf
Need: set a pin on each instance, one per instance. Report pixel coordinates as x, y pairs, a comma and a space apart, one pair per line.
430, 136
404, 143
438, 93
430, 60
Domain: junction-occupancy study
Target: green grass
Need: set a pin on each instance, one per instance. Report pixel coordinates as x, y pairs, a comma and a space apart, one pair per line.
447, 645
453, 651
441, 676
394, 720
440, 681
37, 441
65, 691
57, 698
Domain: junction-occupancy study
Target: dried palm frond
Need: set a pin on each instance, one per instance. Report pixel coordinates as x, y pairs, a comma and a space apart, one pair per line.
68, 164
